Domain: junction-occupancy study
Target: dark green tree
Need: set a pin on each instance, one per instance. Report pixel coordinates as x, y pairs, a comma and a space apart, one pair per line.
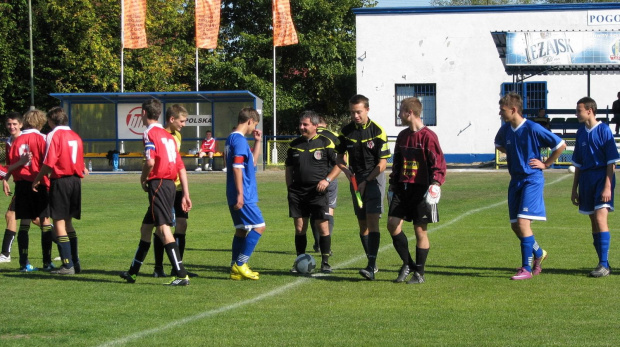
507, 2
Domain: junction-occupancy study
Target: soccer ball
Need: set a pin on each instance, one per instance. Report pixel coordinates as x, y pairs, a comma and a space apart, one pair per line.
571, 169
305, 263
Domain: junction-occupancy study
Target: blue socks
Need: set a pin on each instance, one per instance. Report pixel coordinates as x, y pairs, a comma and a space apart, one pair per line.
527, 249
237, 246
251, 240
537, 250
601, 244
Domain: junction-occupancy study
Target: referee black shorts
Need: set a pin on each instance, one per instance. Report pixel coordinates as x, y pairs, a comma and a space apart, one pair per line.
30, 204
161, 202
302, 204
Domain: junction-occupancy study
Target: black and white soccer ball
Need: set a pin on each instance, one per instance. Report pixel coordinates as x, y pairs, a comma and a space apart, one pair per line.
305, 263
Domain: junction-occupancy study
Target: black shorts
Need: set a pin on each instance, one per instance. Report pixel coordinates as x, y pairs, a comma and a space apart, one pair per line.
161, 202
65, 197
408, 203
372, 198
178, 206
302, 204
30, 204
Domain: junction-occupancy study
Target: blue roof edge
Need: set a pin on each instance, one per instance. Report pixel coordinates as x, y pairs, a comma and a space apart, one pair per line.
483, 8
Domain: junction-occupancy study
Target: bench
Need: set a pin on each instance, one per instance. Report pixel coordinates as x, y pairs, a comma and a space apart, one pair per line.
563, 122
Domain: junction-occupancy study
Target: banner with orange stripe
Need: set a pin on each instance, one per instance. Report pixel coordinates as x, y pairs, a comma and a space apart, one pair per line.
207, 23
134, 24
284, 33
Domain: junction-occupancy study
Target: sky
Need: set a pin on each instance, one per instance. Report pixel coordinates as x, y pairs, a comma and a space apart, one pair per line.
402, 3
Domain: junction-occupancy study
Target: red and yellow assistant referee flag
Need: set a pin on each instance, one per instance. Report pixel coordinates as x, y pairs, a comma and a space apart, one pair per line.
134, 24
284, 33
207, 23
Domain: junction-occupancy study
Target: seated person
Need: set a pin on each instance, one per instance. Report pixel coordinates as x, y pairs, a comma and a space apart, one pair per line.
207, 148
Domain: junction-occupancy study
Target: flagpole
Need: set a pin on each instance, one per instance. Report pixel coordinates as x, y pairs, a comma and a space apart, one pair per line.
31, 59
122, 46
274, 152
197, 106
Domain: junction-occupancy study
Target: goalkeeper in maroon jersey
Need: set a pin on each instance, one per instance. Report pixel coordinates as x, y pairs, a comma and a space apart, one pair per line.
418, 170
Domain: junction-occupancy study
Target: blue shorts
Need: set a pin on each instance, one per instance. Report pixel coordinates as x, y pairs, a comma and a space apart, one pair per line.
591, 185
247, 218
525, 198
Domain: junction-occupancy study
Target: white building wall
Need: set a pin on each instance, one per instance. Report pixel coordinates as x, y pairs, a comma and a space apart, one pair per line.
456, 52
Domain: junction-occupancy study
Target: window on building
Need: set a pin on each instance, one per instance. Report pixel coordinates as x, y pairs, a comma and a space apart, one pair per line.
534, 94
426, 93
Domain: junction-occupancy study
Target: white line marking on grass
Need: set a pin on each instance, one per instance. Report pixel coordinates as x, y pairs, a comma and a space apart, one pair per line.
205, 314
283, 288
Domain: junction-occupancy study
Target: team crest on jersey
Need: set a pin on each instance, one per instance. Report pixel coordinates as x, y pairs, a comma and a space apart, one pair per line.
370, 144
318, 155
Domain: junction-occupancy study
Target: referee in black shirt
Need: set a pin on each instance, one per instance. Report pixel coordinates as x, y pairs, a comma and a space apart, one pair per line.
310, 167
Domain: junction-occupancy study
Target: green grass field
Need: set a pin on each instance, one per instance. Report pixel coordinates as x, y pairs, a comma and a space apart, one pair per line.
467, 299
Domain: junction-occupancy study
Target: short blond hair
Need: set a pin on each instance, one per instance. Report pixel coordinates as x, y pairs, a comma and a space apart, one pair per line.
34, 119
176, 111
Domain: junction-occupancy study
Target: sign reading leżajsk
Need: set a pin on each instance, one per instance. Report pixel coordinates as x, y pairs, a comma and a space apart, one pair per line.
556, 48
130, 124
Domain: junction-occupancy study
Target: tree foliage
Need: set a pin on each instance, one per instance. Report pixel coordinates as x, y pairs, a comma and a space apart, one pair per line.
77, 48
507, 2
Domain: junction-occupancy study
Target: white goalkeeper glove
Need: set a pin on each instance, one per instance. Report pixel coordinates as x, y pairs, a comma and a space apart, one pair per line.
433, 194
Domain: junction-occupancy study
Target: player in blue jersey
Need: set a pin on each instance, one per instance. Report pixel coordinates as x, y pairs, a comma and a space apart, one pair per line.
522, 140
242, 194
595, 158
